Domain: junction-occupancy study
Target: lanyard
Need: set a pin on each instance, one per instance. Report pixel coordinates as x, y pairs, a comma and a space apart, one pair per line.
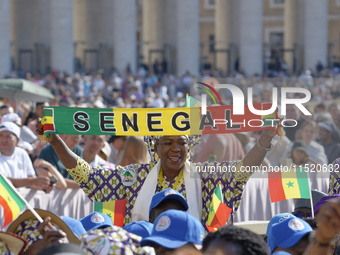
160, 178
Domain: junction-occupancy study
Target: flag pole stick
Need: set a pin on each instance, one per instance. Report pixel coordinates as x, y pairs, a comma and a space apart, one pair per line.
310, 195
29, 207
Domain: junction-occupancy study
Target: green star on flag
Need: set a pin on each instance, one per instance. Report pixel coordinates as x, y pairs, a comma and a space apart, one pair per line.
290, 184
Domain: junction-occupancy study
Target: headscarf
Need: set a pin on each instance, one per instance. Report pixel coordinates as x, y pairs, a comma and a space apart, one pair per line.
322, 201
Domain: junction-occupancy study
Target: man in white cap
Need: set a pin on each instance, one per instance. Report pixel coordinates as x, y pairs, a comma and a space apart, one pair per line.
26, 135
15, 163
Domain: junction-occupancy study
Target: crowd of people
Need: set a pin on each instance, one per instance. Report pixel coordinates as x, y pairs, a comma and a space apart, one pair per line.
167, 208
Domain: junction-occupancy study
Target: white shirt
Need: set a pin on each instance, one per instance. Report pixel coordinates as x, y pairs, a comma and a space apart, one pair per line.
18, 165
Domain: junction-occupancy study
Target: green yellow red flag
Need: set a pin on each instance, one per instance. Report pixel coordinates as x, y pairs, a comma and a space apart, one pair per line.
115, 209
292, 183
10, 200
219, 212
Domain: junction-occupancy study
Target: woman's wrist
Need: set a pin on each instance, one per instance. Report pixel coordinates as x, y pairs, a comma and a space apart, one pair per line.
259, 145
264, 142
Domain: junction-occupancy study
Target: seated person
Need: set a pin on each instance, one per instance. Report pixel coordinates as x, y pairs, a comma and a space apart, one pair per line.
15, 163
314, 150
277, 218
165, 200
134, 152
174, 229
92, 146
289, 235
298, 155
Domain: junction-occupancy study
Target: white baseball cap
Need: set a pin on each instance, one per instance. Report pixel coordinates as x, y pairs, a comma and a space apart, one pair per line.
11, 127
11, 117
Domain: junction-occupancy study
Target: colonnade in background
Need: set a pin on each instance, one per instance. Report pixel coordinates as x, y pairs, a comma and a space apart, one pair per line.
168, 27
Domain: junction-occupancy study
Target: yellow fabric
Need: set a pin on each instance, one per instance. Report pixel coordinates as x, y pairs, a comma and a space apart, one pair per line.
13, 206
175, 187
80, 173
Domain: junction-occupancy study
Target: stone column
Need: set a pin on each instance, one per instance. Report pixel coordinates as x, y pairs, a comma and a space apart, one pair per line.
290, 30
124, 34
62, 56
187, 36
315, 33
5, 39
23, 34
42, 33
250, 20
223, 23
152, 29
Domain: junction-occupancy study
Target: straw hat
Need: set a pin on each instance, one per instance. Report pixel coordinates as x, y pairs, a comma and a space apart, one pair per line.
26, 225
14, 243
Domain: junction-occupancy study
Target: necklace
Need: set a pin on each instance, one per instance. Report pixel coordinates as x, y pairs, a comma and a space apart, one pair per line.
160, 179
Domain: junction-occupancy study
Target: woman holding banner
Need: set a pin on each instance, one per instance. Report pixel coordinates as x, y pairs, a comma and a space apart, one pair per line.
170, 167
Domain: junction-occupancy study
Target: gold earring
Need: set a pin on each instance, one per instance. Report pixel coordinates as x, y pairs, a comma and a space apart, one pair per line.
156, 156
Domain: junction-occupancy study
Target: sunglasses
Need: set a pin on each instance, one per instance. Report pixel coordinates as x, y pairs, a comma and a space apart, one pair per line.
302, 215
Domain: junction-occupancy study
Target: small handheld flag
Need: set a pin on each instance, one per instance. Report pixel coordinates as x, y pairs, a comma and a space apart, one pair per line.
115, 209
12, 202
219, 212
288, 184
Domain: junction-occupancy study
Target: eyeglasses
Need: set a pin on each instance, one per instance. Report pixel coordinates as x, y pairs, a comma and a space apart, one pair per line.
302, 215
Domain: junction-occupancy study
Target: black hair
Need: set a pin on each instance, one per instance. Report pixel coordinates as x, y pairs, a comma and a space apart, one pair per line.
114, 137
31, 116
249, 242
152, 216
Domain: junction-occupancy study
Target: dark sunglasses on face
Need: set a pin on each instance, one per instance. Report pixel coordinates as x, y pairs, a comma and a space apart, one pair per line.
302, 215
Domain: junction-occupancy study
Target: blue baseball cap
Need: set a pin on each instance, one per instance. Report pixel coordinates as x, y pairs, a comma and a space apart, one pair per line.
140, 228
277, 218
167, 194
96, 220
74, 225
287, 233
174, 228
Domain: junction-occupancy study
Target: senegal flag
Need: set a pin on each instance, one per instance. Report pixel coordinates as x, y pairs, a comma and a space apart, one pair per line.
219, 212
288, 184
10, 200
115, 209
48, 120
